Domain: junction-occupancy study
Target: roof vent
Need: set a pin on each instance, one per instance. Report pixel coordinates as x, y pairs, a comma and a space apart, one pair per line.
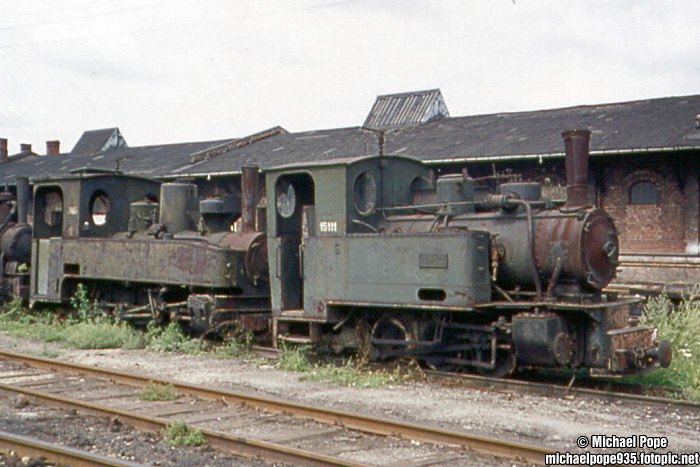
405, 109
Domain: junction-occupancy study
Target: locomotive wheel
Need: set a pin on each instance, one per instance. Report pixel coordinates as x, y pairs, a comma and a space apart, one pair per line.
388, 328
505, 365
436, 362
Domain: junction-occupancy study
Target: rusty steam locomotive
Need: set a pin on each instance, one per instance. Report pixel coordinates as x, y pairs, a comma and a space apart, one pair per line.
366, 254
374, 253
147, 251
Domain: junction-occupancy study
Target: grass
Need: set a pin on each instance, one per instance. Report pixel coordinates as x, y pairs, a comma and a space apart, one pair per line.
179, 433
352, 373
293, 359
158, 392
680, 326
86, 326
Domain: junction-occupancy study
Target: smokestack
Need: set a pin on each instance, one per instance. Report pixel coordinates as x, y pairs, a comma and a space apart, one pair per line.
23, 195
3, 151
25, 148
53, 148
249, 194
576, 143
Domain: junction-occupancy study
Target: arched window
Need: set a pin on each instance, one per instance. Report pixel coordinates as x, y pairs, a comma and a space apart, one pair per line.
644, 192
99, 208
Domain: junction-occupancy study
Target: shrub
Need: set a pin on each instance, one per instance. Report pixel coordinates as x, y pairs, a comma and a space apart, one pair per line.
179, 433
86, 310
158, 392
171, 339
101, 335
680, 326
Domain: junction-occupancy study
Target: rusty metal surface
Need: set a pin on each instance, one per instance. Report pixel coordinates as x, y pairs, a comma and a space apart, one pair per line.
147, 260
253, 245
249, 190
576, 144
15, 243
586, 242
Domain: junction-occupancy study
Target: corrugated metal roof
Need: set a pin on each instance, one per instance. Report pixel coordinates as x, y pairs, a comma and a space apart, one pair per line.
98, 140
409, 108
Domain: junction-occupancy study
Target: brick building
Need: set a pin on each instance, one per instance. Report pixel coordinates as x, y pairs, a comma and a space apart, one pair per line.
644, 165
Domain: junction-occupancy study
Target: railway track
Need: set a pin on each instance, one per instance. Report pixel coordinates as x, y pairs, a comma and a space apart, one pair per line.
249, 425
25, 446
537, 388
556, 390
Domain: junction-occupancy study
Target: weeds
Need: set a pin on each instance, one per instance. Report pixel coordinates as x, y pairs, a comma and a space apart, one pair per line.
158, 392
48, 353
680, 326
352, 373
179, 433
171, 339
86, 309
88, 327
101, 335
293, 359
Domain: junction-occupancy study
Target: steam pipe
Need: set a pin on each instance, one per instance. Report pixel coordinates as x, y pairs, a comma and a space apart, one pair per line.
531, 244
249, 192
576, 147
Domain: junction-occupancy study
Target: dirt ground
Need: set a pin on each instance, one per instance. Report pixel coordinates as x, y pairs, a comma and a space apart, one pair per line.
547, 421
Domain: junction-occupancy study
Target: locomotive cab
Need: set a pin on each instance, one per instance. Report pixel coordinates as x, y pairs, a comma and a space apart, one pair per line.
331, 251
67, 212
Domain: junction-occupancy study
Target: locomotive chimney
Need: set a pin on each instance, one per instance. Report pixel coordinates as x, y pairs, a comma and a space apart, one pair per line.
249, 192
576, 144
23, 198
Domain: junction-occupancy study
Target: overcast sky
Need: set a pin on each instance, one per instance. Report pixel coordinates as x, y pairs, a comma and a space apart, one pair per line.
185, 70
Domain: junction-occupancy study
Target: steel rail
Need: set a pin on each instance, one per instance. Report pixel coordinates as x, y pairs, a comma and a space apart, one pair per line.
485, 382
243, 446
365, 423
26, 446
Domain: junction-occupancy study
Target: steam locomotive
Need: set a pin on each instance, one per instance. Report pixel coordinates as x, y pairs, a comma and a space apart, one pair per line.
374, 255
150, 251
15, 241
371, 254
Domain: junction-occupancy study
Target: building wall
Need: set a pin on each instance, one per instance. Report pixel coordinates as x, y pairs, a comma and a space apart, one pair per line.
655, 227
